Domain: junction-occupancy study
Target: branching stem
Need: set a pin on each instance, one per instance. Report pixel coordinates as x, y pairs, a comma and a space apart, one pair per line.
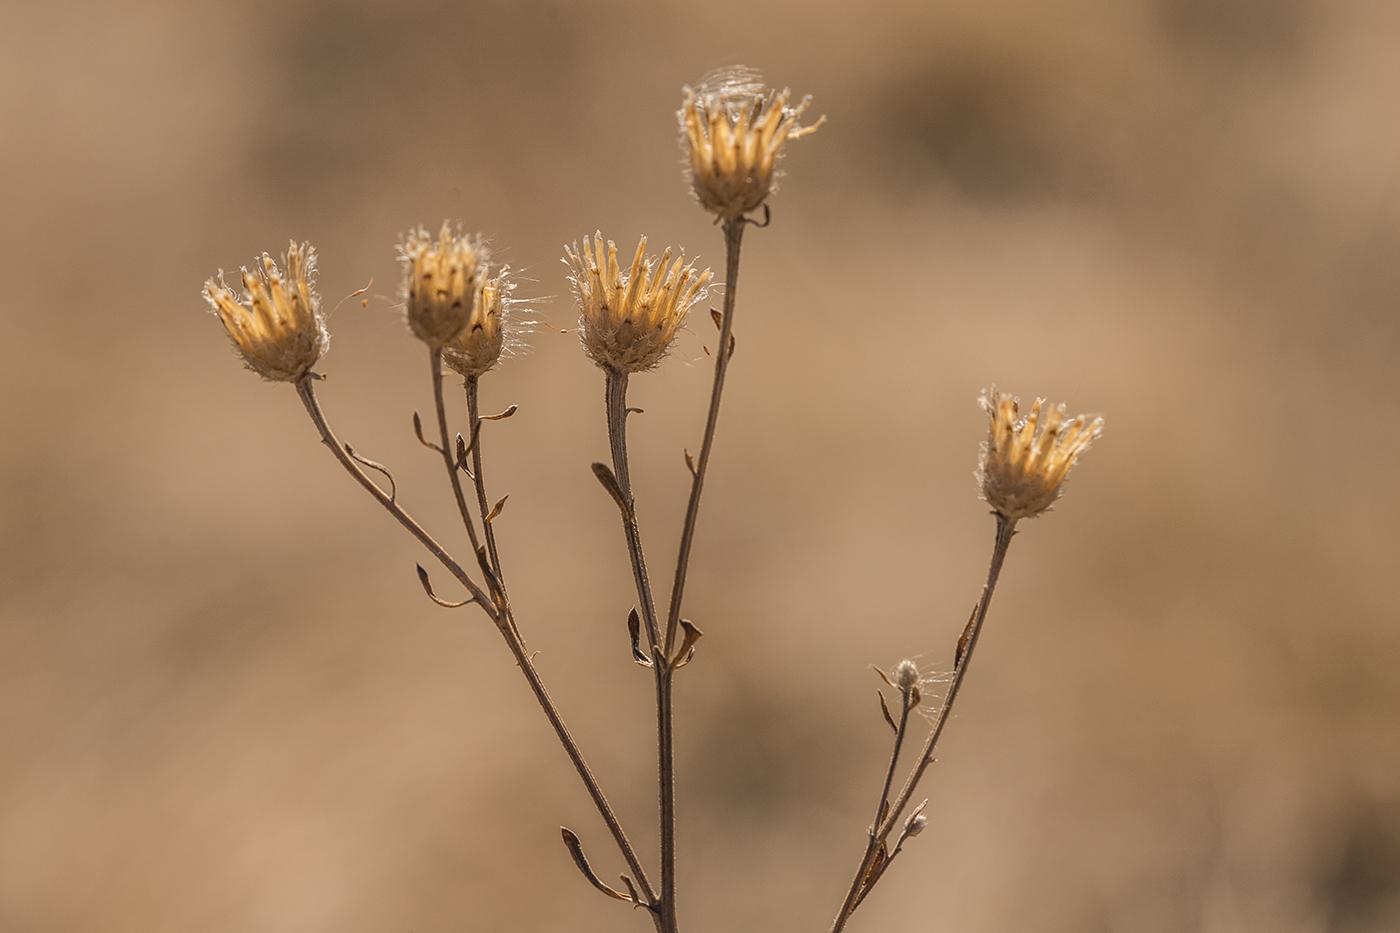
503, 624
860, 886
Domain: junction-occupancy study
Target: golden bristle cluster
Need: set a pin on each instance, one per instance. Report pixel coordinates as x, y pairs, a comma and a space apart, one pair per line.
490, 330
733, 129
627, 322
278, 327
1024, 463
440, 283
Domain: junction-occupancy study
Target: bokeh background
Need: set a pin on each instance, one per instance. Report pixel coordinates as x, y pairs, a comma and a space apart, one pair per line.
225, 704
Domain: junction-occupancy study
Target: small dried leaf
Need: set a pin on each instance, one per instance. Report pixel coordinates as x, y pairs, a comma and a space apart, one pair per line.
886, 678
634, 629
576, 850
884, 708
690, 463
393, 489
418, 432
609, 481
428, 588
962, 640
503, 415
497, 510
687, 649
731, 344
717, 318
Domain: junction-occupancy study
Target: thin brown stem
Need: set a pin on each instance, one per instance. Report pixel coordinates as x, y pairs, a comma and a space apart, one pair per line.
1006, 528
474, 432
307, 393
308, 397
448, 456
863, 877
733, 235
616, 402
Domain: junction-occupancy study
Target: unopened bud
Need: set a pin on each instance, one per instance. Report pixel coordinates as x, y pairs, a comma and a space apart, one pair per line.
906, 675
915, 825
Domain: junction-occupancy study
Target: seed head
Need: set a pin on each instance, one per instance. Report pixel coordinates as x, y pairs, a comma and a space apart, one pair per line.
1024, 463
628, 322
440, 282
492, 330
906, 675
278, 326
733, 129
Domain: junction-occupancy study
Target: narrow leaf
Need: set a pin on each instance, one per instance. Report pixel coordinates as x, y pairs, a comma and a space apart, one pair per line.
503, 415
687, 648
609, 481
428, 588
576, 850
884, 708
497, 510
962, 640
634, 629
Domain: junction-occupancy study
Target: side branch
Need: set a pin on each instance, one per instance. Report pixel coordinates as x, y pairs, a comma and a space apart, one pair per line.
733, 235
503, 624
308, 397
860, 886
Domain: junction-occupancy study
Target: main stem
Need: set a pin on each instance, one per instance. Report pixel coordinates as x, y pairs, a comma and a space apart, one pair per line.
616, 402
1006, 528
503, 624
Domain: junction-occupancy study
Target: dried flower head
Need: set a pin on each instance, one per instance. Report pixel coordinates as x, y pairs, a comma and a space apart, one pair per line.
734, 128
1024, 463
493, 329
278, 327
906, 675
440, 282
627, 322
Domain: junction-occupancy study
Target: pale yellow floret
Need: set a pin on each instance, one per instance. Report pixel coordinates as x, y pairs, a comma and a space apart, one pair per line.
490, 330
278, 326
734, 130
1024, 463
627, 322
440, 283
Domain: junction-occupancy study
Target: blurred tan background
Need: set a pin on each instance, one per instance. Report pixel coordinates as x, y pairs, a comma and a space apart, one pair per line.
225, 704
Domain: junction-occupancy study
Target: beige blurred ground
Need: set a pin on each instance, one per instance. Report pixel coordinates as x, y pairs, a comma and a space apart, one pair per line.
226, 706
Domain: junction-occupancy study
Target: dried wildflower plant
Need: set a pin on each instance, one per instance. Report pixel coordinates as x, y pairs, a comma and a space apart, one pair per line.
469, 319
733, 130
628, 320
278, 326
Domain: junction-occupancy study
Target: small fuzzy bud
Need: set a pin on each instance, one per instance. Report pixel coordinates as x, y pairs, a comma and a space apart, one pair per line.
915, 825
628, 321
278, 326
440, 283
733, 130
1024, 463
906, 675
